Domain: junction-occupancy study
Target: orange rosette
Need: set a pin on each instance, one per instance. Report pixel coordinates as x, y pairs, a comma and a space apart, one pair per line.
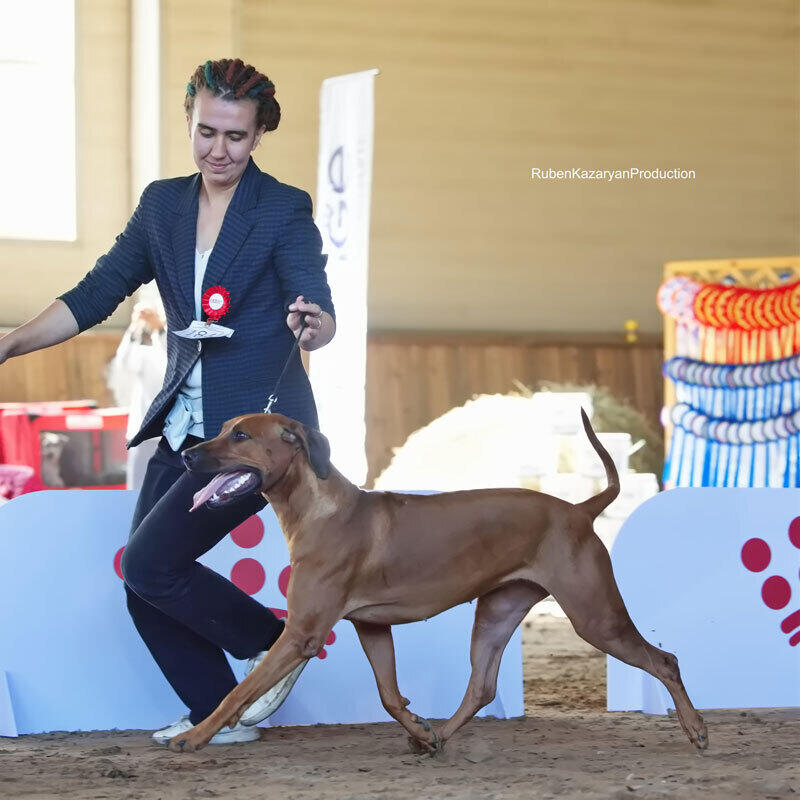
739, 316
710, 304
723, 306
759, 299
770, 309
748, 308
777, 307
794, 300
701, 304
786, 305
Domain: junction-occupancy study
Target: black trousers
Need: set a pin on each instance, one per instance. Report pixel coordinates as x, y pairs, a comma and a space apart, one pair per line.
185, 613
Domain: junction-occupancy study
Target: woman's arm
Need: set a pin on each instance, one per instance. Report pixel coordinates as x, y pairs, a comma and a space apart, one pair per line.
116, 275
300, 264
53, 325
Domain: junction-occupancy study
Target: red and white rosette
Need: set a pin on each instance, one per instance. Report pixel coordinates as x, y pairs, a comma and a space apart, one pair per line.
216, 303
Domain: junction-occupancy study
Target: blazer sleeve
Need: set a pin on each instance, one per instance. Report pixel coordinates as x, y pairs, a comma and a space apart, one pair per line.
115, 276
299, 259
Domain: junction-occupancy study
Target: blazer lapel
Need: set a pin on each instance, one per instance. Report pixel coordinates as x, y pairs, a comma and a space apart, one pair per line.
184, 237
235, 229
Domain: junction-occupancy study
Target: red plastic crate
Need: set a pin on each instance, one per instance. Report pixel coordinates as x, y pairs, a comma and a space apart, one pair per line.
67, 449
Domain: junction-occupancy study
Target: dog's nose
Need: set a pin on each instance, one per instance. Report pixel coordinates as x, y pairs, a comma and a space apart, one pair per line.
189, 458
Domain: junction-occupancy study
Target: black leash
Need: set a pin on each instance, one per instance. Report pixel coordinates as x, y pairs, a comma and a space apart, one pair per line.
274, 395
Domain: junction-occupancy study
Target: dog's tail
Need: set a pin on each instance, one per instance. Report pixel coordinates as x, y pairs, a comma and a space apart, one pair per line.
594, 505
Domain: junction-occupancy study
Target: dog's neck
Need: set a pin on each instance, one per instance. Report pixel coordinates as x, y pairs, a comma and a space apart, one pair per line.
303, 502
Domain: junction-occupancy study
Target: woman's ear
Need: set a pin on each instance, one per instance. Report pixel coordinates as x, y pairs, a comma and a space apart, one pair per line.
259, 133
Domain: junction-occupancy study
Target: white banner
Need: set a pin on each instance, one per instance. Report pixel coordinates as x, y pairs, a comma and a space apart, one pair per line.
344, 180
60, 584
711, 576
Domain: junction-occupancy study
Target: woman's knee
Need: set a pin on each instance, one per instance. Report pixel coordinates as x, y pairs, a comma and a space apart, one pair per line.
143, 575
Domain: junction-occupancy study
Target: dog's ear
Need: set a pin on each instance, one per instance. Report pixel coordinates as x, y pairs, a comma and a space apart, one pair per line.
318, 451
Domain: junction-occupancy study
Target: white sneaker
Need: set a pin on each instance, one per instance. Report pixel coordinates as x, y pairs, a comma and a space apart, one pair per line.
271, 700
238, 733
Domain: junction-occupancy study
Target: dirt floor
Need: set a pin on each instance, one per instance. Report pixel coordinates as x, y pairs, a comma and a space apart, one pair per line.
567, 746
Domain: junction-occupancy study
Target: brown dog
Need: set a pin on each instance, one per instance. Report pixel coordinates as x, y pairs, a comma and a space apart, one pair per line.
382, 558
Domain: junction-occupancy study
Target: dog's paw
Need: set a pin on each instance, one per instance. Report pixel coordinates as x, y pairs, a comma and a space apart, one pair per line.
419, 747
186, 743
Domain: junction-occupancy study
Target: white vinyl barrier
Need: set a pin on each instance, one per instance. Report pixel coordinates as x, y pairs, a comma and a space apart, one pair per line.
70, 658
712, 576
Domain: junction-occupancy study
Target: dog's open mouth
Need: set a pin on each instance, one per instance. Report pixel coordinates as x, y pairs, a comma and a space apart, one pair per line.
227, 487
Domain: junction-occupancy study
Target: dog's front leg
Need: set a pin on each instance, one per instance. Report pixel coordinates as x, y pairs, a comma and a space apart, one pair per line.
281, 659
300, 640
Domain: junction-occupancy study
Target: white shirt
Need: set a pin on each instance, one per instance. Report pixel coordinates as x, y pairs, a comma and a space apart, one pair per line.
186, 416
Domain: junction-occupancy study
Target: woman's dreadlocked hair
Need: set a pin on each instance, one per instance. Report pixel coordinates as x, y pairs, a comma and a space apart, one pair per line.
232, 79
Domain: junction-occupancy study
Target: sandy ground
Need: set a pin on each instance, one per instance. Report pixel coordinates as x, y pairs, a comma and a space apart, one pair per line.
567, 746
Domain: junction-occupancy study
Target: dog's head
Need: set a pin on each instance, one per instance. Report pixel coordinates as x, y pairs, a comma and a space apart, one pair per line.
252, 454
51, 445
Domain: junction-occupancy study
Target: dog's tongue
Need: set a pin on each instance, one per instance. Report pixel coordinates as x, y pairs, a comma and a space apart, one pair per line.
208, 491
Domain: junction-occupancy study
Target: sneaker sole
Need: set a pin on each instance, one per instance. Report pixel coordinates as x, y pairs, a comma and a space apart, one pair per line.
254, 719
235, 737
223, 737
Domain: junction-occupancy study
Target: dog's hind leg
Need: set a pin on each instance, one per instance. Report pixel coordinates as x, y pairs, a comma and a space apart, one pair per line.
496, 617
379, 646
590, 598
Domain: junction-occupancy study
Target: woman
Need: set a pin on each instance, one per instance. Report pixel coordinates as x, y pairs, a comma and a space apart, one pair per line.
229, 226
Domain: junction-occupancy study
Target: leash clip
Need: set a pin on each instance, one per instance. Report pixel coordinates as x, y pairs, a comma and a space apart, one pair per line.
270, 402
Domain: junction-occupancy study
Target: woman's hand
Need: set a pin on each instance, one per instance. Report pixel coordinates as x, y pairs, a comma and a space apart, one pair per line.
320, 328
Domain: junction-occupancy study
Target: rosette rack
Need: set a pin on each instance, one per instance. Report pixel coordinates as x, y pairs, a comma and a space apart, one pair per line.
732, 372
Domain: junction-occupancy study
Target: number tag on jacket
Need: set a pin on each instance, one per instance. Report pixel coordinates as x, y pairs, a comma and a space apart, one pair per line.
204, 330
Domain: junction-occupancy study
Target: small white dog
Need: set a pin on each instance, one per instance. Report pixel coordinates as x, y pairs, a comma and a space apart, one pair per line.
52, 445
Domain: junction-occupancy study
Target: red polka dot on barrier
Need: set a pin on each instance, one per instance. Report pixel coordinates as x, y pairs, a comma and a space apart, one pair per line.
322, 654
776, 592
248, 575
118, 563
794, 532
249, 533
331, 638
756, 555
283, 580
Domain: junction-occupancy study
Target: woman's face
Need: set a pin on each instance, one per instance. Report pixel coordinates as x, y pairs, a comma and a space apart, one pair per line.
223, 134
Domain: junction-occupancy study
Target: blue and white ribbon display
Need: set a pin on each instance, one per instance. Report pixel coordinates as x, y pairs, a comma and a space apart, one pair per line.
734, 425
738, 392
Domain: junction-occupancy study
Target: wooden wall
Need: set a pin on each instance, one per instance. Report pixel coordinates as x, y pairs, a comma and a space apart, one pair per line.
411, 379
472, 95
69, 371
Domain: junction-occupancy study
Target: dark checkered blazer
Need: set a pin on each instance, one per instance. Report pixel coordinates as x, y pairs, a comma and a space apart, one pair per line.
267, 253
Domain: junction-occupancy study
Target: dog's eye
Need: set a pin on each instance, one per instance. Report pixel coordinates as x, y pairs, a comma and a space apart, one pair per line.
239, 436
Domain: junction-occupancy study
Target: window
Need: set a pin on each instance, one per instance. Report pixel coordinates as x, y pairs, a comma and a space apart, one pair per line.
37, 120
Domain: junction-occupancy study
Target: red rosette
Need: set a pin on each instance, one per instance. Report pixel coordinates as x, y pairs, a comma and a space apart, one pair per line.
216, 302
